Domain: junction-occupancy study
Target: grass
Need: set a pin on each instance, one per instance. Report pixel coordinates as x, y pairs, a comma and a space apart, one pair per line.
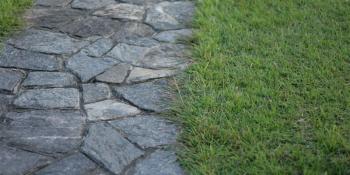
269, 92
10, 18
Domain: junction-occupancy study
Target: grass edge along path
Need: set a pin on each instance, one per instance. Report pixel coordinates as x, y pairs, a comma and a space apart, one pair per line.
269, 90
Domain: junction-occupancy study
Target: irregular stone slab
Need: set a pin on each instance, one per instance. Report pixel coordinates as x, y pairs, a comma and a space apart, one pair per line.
48, 98
123, 11
47, 42
147, 131
143, 2
5, 101
116, 74
173, 36
140, 41
128, 53
133, 29
53, 3
94, 92
151, 96
141, 74
72, 165
98, 48
158, 163
170, 15
10, 79
92, 26
16, 58
88, 67
50, 79
91, 4
109, 109
107, 146
18, 162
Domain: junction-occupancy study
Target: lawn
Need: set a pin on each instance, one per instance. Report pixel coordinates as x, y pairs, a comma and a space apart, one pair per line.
269, 92
10, 18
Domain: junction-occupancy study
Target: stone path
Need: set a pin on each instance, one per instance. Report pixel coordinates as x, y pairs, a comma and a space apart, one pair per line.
83, 87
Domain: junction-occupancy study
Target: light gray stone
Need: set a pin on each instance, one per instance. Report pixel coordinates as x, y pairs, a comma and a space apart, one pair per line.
88, 67
107, 146
153, 96
5, 101
147, 131
143, 2
98, 48
116, 74
128, 53
11, 57
48, 98
91, 4
109, 109
173, 36
94, 92
158, 163
122, 11
133, 29
53, 3
140, 41
170, 15
18, 162
47, 42
76, 164
50, 79
10, 79
43, 131
141, 74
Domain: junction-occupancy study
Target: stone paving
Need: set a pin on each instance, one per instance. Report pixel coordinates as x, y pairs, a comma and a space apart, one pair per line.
82, 88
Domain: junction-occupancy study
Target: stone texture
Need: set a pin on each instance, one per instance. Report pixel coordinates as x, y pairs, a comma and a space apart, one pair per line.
91, 4
50, 131
18, 162
173, 36
141, 74
109, 109
143, 2
47, 42
158, 163
107, 146
48, 98
123, 11
140, 41
116, 74
88, 67
53, 3
133, 29
76, 164
153, 96
94, 92
128, 53
50, 79
16, 58
147, 131
170, 15
5, 101
98, 48
10, 79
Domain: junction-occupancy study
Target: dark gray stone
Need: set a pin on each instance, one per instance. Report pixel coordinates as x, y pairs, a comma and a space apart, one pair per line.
116, 74
94, 92
147, 131
76, 164
53, 3
170, 15
98, 48
122, 11
10, 79
5, 101
153, 96
109, 109
50, 79
141, 74
133, 29
107, 146
158, 163
88, 67
143, 2
43, 131
48, 98
18, 162
91, 4
140, 41
173, 36
47, 42
16, 58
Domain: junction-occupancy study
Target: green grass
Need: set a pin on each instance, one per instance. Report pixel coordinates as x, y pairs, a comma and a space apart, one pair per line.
269, 92
10, 15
